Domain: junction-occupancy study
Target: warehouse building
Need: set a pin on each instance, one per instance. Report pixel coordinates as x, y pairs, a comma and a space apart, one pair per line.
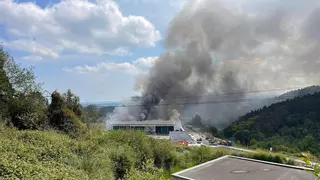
152, 127
239, 168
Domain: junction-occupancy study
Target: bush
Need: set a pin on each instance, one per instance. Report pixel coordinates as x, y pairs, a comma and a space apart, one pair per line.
72, 124
38, 155
267, 156
101, 155
147, 172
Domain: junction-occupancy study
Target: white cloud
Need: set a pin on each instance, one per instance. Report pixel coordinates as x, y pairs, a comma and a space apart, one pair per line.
32, 58
80, 26
145, 62
138, 66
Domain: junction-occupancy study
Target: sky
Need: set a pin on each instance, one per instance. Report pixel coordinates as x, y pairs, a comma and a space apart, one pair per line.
96, 48
100, 48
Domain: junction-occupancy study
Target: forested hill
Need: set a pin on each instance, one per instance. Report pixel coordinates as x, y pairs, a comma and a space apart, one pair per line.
299, 92
291, 125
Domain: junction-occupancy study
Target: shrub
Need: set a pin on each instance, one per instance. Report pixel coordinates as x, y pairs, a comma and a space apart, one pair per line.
72, 124
38, 155
147, 172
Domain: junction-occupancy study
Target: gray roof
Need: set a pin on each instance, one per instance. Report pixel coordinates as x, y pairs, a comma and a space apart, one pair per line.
144, 123
178, 136
231, 168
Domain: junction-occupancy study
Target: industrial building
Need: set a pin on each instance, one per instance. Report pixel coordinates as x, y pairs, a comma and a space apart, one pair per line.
153, 127
239, 168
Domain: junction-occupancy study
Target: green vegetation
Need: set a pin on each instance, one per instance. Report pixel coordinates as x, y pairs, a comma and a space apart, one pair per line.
290, 126
60, 139
34, 154
306, 157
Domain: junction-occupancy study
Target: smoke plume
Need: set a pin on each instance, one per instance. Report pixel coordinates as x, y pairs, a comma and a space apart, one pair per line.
216, 48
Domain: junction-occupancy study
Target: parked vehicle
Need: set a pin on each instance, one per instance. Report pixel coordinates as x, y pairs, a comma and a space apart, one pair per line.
225, 143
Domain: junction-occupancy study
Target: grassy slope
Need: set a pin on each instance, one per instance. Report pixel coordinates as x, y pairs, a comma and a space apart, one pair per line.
99, 155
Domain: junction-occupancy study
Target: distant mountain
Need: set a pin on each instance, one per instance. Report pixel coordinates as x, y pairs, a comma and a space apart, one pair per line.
292, 125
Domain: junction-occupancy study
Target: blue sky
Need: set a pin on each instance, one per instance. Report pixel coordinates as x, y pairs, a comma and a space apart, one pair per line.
95, 48
98, 48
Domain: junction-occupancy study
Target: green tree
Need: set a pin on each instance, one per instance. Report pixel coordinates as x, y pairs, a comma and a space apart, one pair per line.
21, 79
62, 118
29, 111
72, 102
291, 125
21, 101
252, 142
6, 90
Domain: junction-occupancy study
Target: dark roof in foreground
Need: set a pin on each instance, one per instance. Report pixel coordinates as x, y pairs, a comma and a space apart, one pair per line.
237, 168
178, 136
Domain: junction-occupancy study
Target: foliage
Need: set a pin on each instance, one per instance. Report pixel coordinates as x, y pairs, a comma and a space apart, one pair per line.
38, 155
33, 154
29, 111
305, 157
21, 101
267, 156
22, 80
148, 171
291, 126
62, 118
6, 90
72, 102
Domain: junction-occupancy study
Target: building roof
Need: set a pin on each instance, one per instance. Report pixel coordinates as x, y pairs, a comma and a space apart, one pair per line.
231, 167
178, 136
143, 123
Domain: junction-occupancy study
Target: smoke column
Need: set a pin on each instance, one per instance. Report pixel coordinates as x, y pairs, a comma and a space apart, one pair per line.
215, 47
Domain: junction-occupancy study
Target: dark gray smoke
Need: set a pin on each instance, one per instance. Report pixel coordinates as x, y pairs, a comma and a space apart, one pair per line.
216, 48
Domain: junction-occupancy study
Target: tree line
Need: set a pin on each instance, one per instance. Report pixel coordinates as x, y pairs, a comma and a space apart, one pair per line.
292, 125
24, 106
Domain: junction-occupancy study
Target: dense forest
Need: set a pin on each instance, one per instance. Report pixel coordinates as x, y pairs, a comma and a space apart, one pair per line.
292, 125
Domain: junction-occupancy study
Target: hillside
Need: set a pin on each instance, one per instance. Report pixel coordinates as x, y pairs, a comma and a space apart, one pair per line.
129, 155
292, 125
299, 92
